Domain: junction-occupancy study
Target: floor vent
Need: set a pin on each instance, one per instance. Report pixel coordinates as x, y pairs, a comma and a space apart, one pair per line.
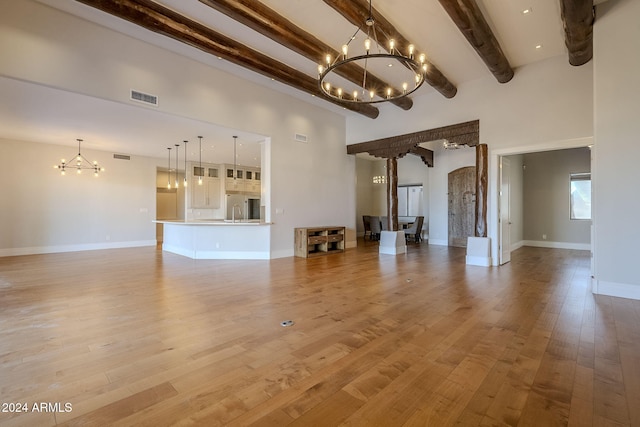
144, 97
122, 156
301, 138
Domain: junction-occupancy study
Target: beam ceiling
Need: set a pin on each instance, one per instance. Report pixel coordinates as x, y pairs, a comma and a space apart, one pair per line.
467, 133
577, 19
162, 20
469, 19
267, 22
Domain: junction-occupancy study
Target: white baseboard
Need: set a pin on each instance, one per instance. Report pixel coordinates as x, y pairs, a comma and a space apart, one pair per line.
557, 245
282, 253
35, 250
439, 242
215, 254
620, 290
478, 260
517, 245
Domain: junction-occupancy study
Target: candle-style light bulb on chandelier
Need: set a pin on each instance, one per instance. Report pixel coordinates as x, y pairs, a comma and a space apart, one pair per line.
405, 79
81, 163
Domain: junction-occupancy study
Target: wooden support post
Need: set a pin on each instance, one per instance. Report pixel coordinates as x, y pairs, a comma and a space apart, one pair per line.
481, 190
392, 194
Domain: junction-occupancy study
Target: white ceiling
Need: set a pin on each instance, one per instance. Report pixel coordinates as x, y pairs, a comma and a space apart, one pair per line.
50, 115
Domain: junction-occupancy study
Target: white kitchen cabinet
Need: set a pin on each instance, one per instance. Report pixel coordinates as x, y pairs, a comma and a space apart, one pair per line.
206, 195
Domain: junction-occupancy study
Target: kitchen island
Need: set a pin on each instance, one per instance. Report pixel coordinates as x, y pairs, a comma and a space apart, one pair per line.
217, 239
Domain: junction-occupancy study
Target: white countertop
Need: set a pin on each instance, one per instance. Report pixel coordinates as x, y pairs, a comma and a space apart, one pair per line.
216, 222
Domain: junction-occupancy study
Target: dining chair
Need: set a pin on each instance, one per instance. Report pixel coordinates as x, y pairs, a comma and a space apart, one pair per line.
415, 230
366, 220
376, 228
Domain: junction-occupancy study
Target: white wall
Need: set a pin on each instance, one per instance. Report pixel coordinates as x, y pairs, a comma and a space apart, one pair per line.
364, 192
43, 211
547, 216
309, 184
615, 167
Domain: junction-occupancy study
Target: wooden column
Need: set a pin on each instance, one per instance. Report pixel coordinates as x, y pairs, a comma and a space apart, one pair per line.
392, 194
481, 190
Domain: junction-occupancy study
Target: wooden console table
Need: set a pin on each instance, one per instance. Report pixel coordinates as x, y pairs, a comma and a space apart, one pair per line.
315, 241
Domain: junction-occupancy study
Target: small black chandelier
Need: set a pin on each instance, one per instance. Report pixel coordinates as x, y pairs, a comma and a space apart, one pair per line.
80, 163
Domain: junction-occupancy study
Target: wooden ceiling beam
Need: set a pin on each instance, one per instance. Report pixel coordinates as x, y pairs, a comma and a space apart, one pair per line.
162, 20
469, 19
467, 133
357, 11
267, 22
425, 154
577, 19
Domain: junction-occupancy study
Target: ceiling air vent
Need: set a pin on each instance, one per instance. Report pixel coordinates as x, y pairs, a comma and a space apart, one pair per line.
301, 138
144, 97
122, 157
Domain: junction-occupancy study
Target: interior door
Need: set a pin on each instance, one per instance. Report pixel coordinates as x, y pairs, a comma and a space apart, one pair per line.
462, 198
505, 211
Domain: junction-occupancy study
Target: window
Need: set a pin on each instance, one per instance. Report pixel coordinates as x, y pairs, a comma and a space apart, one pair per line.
581, 196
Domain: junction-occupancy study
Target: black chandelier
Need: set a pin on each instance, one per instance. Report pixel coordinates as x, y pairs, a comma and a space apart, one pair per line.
410, 77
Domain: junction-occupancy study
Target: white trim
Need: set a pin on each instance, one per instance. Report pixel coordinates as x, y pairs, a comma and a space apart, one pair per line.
439, 242
35, 250
285, 253
478, 260
620, 290
517, 245
557, 245
215, 254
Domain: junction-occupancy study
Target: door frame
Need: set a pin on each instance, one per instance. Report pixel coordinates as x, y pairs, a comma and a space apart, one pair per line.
494, 182
504, 243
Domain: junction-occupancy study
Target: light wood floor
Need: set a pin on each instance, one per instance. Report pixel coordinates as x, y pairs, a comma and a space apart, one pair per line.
136, 337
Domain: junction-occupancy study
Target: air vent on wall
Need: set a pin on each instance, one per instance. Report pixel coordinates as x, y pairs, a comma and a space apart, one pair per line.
122, 156
301, 138
144, 97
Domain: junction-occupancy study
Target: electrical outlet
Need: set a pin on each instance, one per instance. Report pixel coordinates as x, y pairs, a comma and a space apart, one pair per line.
544, 237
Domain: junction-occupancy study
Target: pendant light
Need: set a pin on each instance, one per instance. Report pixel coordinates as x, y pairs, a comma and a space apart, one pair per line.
177, 184
185, 163
200, 151
235, 156
169, 169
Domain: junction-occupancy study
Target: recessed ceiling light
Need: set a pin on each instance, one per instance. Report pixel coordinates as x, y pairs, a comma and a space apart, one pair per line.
538, 46
527, 11
390, 65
